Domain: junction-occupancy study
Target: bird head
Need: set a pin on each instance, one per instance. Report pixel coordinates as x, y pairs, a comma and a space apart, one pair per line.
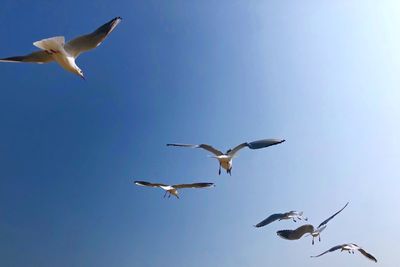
79, 72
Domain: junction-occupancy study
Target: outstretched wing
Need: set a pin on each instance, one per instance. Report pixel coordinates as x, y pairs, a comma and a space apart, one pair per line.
366, 254
89, 41
256, 145
265, 143
35, 57
234, 150
297, 233
203, 146
270, 219
194, 185
330, 218
329, 250
143, 183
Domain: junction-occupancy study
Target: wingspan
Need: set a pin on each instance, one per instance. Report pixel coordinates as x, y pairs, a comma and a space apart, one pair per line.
270, 219
329, 250
330, 218
35, 57
203, 146
194, 185
89, 41
297, 233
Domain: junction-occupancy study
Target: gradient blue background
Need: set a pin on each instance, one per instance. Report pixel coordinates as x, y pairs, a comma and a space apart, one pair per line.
324, 75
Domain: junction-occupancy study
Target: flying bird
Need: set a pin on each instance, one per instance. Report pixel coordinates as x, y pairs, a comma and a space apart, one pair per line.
65, 54
350, 248
173, 189
225, 159
307, 229
282, 216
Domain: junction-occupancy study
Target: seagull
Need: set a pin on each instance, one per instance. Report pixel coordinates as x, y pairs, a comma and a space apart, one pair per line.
65, 54
173, 189
307, 228
225, 159
350, 248
282, 216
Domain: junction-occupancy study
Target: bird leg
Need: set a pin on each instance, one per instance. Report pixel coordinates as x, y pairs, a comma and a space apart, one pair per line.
219, 171
294, 220
165, 194
312, 241
319, 238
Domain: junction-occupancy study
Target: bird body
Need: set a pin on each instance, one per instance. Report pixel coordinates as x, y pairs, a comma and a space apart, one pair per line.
54, 46
349, 247
65, 54
225, 159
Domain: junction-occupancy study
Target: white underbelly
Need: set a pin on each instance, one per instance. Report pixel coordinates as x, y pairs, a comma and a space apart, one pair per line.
226, 163
66, 62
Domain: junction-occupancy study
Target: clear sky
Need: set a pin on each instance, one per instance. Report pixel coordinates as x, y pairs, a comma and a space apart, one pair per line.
324, 75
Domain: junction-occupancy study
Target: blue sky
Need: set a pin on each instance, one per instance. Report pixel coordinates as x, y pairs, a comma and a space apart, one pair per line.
321, 74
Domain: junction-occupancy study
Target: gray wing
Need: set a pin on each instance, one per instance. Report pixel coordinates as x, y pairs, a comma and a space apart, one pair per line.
330, 218
270, 219
256, 145
203, 146
143, 183
265, 143
297, 233
194, 185
35, 57
233, 151
329, 250
366, 254
92, 40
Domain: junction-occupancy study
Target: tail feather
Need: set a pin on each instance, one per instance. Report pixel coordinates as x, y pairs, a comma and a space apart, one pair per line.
53, 43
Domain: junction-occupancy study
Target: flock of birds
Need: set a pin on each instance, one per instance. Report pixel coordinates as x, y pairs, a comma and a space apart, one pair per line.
65, 54
310, 230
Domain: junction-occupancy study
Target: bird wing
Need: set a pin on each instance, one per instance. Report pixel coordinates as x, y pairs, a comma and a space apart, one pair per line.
330, 218
194, 185
143, 183
89, 41
297, 233
255, 145
203, 146
264, 143
366, 254
233, 151
329, 250
35, 57
270, 219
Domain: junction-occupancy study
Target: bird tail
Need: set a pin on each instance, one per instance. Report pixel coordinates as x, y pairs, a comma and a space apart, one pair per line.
53, 44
